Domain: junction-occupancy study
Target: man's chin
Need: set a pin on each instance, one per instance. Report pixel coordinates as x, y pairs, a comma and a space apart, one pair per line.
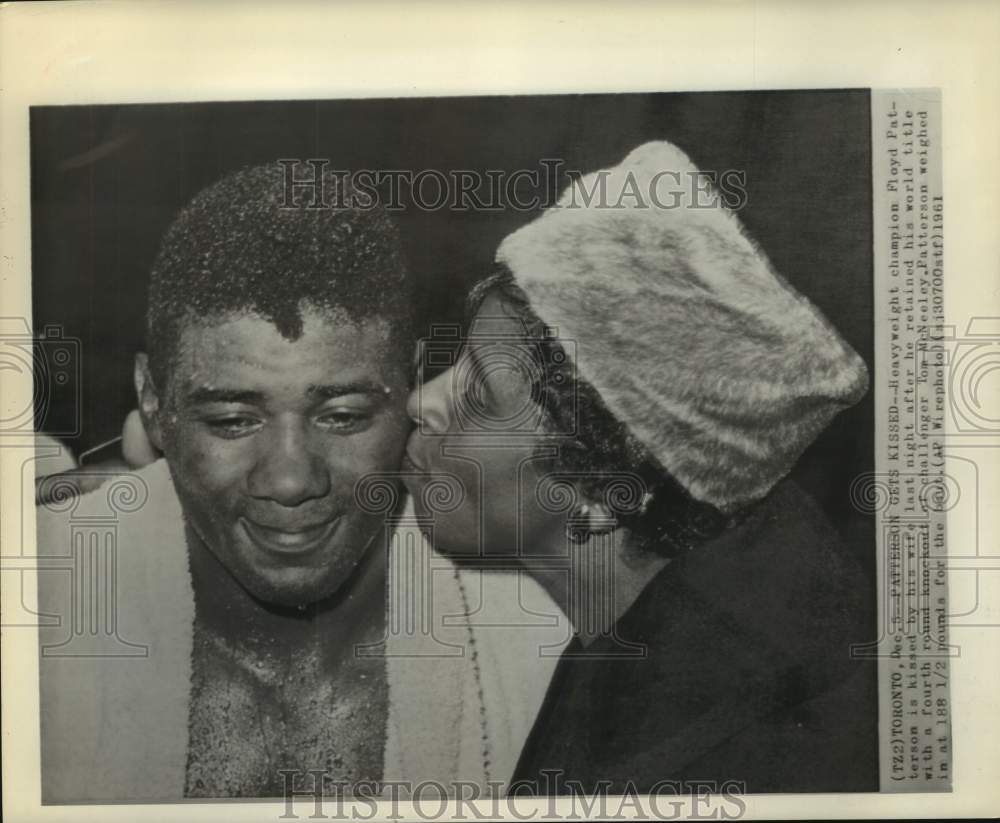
290, 594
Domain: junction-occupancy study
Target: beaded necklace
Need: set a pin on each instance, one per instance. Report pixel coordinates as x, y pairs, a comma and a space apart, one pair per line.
474, 657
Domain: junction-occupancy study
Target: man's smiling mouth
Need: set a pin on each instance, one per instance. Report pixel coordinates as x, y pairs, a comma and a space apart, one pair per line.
290, 543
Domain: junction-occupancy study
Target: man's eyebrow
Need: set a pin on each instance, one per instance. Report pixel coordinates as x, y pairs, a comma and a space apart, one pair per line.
207, 395
332, 390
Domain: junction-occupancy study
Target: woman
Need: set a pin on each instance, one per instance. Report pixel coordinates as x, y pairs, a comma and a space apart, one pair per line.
635, 386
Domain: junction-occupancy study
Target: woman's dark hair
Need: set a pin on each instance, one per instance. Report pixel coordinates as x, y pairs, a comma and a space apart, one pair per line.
673, 521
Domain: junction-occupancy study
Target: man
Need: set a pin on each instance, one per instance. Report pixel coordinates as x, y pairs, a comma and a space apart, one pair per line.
255, 576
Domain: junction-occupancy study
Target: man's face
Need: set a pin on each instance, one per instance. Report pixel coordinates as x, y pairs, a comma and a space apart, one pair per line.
267, 437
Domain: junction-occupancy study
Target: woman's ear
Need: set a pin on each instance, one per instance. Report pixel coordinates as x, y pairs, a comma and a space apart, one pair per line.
588, 519
601, 520
148, 399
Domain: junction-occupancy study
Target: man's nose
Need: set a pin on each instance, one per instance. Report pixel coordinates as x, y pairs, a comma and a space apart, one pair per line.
430, 404
288, 470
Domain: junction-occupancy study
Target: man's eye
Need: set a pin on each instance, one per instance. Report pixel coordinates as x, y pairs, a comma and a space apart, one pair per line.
343, 420
234, 425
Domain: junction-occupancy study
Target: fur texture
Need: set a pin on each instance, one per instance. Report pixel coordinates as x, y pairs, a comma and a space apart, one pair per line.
679, 321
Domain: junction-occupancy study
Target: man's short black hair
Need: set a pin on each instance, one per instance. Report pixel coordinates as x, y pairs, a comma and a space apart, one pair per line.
246, 244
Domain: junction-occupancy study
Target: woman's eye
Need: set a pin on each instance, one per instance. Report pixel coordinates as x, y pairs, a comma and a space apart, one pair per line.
234, 425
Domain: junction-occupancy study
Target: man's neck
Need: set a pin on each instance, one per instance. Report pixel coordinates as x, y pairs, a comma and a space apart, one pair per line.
282, 635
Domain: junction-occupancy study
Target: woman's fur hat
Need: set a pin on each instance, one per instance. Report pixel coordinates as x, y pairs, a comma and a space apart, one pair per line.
714, 362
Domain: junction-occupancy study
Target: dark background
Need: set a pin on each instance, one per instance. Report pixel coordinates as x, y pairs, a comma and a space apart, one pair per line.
107, 180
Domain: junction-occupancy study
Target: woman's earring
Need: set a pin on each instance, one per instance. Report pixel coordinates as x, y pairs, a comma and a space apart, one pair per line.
578, 524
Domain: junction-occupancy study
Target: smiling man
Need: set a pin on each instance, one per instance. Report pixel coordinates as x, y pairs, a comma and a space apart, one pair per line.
275, 382
269, 415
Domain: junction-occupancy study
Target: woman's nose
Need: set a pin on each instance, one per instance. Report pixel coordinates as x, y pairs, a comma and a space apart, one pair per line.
429, 404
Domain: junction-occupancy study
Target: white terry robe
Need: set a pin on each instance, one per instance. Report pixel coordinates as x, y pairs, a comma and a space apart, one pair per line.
115, 728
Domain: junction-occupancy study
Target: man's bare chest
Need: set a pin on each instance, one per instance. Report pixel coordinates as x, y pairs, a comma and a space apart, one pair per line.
259, 727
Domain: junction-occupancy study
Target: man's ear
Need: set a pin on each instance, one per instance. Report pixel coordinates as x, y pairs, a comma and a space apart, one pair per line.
148, 399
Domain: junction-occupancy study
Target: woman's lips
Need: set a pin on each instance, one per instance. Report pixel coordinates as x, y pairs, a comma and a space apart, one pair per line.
410, 463
290, 543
